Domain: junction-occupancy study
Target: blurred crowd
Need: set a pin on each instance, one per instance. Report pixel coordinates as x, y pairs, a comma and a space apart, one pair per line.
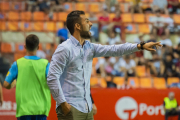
165, 62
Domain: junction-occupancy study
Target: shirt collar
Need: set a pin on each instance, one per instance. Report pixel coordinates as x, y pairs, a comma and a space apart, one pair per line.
32, 57
76, 42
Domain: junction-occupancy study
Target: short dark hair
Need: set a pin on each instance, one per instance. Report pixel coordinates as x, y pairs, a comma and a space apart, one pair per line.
32, 42
72, 19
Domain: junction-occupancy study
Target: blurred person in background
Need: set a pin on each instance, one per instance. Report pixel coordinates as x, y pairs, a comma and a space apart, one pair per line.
152, 38
135, 6
169, 22
94, 29
159, 24
169, 68
160, 5
118, 27
93, 17
50, 52
171, 106
178, 34
173, 6
165, 41
177, 50
156, 65
124, 86
139, 38
33, 96
104, 21
110, 83
113, 38
63, 34
127, 66
110, 5
31, 5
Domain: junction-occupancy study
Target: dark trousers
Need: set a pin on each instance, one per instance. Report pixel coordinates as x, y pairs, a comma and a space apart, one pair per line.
174, 113
33, 117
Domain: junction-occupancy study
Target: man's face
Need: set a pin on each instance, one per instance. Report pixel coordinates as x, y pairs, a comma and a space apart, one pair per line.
85, 27
171, 97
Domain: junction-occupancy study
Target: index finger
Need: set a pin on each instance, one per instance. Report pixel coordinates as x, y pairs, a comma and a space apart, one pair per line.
158, 43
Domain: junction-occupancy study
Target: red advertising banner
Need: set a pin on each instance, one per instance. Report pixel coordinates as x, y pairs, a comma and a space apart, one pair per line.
8, 109
112, 104
139, 104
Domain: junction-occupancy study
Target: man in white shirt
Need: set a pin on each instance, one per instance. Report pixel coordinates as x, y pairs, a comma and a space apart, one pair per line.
159, 24
127, 66
160, 5
165, 41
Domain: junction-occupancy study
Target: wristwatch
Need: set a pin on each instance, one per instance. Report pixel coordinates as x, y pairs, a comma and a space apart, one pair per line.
142, 43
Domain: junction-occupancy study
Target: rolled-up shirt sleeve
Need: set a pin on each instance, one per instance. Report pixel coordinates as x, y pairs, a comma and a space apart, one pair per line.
57, 65
114, 50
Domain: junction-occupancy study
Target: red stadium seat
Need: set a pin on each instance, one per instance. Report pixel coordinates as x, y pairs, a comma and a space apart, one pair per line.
159, 83
94, 7
26, 16
133, 82
176, 18
2, 16
38, 26
17, 6
144, 28
103, 83
95, 60
119, 80
145, 83
141, 71
38, 16
4, 6
139, 18
25, 26
81, 6
68, 7
19, 48
93, 81
62, 16
13, 15
3, 26
6, 48
131, 28
111, 16
127, 18
171, 80
59, 25
12, 26
50, 26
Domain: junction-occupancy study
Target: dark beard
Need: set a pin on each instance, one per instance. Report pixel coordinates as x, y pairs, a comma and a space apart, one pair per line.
85, 34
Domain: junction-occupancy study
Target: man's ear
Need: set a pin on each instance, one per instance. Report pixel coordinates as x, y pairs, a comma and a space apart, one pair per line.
38, 47
77, 26
25, 46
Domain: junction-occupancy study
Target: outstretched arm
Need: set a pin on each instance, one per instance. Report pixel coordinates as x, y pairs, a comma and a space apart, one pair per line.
122, 49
